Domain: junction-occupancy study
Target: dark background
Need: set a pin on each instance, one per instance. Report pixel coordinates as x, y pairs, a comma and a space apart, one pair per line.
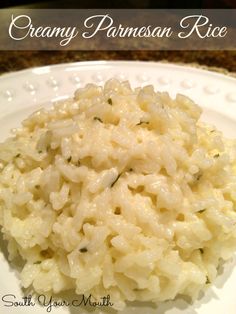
180, 4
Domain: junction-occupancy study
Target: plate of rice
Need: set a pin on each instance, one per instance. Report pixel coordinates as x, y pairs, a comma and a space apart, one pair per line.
118, 189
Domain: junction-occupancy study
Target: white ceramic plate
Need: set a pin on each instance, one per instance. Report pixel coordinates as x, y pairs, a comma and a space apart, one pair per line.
22, 92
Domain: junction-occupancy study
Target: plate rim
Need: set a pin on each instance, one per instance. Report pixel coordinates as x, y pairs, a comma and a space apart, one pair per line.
178, 66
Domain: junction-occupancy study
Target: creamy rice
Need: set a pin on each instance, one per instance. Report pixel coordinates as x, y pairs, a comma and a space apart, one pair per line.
121, 192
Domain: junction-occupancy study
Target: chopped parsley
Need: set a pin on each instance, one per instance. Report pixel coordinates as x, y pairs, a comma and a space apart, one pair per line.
202, 210
216, 156
117, 178
109, 100
38, 262
201, 250
83, 250
98, 119
18, 155
207, 280
69, 159
142, 122
117, 211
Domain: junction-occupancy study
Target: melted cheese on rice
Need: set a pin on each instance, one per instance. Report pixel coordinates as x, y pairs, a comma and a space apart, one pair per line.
121, 192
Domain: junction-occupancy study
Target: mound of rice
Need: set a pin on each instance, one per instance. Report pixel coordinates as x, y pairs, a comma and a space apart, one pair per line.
121, 192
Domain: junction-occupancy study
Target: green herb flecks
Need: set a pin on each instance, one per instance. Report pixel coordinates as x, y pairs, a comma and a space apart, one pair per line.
142, 122
117, 211
98, 119
117, 178
109, 100
83, 250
